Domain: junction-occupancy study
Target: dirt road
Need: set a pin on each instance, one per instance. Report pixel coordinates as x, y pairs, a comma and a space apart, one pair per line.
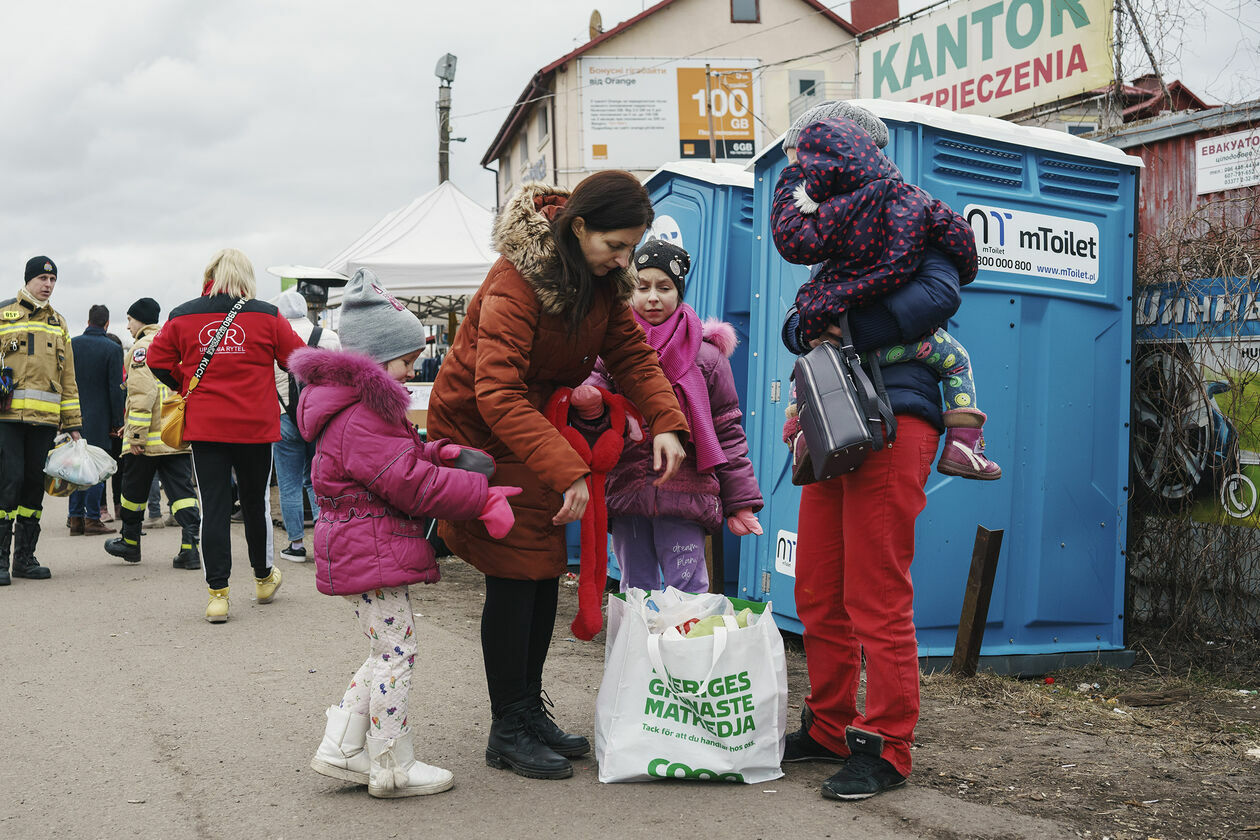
127, 715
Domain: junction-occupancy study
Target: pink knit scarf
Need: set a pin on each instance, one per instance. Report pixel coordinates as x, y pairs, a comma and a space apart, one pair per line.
677, 343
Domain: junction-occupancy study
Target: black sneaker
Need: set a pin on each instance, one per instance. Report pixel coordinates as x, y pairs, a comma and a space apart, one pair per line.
862, 777
295, 553
865, 773
799, 746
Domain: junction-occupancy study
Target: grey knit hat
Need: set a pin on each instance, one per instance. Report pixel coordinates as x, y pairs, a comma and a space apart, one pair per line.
873, 125
373, 322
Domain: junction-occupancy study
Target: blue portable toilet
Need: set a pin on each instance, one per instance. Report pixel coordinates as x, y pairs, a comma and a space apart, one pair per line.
707, 209
1048, 325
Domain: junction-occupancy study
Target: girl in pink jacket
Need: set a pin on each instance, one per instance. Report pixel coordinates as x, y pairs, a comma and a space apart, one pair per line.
375, 480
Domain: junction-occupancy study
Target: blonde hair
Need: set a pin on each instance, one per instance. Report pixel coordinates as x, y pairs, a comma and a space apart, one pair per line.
231, 273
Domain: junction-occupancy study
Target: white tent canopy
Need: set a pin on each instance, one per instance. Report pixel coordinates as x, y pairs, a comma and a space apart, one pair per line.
438, 244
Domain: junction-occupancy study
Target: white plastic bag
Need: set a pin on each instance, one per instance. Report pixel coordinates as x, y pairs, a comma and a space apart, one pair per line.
670, 607
80, 463
712, 707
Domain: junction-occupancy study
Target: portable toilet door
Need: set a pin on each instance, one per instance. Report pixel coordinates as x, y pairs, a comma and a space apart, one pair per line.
1048, 327
707, 210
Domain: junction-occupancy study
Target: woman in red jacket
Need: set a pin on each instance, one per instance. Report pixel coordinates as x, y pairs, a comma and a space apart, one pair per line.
231, 417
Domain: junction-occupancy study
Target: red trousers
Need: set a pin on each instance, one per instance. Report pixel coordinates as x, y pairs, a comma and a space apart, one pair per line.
854, 546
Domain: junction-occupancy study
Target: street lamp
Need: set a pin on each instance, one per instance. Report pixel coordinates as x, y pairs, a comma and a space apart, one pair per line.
445, 70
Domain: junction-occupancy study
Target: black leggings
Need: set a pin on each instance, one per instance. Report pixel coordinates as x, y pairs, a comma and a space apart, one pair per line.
516, 626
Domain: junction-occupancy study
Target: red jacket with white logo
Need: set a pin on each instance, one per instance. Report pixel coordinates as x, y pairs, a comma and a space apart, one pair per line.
235, 401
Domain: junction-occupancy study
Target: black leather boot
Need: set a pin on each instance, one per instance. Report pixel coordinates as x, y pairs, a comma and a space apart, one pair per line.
514, 744
25, 536
120, 547
188, 558
6, 540
544, 726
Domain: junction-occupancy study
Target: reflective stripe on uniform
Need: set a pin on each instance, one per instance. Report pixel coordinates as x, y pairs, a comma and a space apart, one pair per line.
30, 326
30, 393
130, 505
35, 405
139, 418
8, 514
69, 405
154, 437
29, 513
180, 504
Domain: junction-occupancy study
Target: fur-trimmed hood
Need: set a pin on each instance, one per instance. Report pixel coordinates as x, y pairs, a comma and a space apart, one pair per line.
721, 335
337, 379
522, 234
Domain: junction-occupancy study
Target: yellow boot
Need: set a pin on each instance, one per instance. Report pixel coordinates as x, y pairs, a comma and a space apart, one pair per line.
266, 588
217, 609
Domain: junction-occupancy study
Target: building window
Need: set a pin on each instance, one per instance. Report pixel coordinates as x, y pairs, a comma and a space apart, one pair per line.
524, 149
505, 167
543, 128
1081, 128
745, 11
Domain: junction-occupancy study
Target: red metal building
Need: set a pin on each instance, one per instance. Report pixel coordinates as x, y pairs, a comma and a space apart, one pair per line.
1207, 160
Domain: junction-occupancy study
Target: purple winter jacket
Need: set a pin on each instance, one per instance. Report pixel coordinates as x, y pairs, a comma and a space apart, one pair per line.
707, 498
373, 476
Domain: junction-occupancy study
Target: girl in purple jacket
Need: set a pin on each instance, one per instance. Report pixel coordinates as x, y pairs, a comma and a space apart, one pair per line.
659, 528
375, 480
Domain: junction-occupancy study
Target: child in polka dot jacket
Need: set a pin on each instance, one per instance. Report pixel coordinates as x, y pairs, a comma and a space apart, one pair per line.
843, 207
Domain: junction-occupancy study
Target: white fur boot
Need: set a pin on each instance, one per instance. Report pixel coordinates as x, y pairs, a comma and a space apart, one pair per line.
341, 755
396, 773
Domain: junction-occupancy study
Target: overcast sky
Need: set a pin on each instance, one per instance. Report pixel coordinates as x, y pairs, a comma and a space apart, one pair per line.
141, 136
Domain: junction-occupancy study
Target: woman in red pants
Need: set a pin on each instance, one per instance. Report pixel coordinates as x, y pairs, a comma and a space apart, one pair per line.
855, 544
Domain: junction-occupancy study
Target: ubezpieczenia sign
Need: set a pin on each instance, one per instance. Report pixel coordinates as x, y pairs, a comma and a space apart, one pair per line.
991, 58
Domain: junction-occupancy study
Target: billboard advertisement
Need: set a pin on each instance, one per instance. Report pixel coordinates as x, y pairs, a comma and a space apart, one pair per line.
1196, 391
638, 113
991, 58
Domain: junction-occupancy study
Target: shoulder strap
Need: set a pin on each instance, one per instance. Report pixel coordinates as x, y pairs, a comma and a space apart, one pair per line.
214, 345
881, 404
313, 340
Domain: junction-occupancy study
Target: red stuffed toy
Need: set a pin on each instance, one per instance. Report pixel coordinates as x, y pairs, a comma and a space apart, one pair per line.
601, 456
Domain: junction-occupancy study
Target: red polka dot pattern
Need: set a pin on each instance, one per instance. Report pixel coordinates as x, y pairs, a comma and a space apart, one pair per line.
871, 227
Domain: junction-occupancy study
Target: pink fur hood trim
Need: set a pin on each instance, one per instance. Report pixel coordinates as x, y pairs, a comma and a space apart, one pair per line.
721, 335
336, 379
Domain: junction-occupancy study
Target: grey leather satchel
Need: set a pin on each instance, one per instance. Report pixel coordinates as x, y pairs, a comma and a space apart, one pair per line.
844, 416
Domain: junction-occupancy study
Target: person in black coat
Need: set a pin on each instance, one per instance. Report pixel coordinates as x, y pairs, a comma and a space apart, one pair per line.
98, 365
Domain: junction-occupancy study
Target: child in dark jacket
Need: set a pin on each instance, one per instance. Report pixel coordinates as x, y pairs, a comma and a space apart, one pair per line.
660, 529
375, 480
843, 207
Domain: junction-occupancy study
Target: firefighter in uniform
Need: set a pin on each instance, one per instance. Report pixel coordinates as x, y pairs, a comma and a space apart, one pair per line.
147, 454
35, 346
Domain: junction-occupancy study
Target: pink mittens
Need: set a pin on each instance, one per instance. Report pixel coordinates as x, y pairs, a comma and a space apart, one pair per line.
588, 402
497, 514
743, 522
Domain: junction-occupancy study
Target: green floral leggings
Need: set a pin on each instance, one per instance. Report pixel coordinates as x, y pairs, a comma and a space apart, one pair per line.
944, 354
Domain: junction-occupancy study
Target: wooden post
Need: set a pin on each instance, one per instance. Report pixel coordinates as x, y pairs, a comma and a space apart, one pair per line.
975, 609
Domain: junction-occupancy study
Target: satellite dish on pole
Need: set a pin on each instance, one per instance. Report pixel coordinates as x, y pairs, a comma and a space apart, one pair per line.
597, 25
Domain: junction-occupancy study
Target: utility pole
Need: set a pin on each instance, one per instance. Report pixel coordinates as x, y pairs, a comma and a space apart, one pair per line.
708, 112
445, 71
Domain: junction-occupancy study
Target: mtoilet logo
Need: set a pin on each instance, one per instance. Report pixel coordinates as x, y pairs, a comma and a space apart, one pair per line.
1012, 241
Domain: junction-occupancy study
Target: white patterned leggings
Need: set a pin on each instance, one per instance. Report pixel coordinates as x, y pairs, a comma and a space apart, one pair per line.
379, 688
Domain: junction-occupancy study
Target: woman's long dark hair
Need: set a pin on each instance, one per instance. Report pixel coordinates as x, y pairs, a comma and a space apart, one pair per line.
609, 200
